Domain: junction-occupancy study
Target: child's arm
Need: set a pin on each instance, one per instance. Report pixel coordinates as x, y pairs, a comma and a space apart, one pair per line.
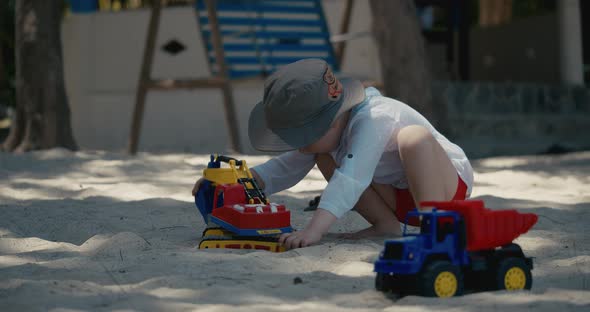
283, 171
257, 178
313, 232
278, 173
366, 144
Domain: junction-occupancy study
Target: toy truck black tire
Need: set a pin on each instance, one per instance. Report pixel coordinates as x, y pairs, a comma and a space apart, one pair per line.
513, 273
395, 283
383, 282
440, 279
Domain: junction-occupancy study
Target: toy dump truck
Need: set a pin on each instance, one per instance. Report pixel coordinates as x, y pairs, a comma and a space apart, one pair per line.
237, 213
461, 245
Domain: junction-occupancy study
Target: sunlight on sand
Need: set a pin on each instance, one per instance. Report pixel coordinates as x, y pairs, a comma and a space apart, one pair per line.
531, 186
95, 230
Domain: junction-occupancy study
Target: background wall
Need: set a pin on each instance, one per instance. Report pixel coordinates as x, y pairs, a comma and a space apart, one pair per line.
102, 53
516, 118
524, 50
490, 116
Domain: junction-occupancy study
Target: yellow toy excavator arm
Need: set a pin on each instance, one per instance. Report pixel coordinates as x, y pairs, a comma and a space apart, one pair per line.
235, 174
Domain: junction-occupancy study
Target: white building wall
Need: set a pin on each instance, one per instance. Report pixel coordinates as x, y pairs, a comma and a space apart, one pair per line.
102, 56
570, 44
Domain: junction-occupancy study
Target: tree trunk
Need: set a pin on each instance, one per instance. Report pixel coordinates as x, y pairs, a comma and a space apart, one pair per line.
400, 43
3, 74
42, 113
3, 45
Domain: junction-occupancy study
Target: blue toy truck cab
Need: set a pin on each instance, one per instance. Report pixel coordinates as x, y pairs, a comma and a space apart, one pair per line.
441, 237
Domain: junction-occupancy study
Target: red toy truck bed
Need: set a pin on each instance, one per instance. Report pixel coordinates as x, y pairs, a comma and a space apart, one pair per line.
485, 228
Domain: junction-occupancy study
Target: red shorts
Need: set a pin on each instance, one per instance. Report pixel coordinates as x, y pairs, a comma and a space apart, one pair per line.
404, 202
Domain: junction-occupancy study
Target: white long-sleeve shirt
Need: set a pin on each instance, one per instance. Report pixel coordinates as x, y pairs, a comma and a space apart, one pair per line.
368, 151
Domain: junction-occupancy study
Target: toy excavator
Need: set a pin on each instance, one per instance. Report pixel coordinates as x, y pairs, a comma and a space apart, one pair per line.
237, 213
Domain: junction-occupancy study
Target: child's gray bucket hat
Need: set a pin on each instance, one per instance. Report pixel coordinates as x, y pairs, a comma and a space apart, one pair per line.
301, 100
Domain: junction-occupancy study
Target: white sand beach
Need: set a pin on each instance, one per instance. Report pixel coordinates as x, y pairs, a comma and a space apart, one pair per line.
103, 231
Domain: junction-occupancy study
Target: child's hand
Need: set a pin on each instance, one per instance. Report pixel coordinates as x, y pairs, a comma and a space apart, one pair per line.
300, 238
319, 224
197, 185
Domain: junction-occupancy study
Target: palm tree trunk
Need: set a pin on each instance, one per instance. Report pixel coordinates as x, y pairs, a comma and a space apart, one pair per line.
406, 76
42, 113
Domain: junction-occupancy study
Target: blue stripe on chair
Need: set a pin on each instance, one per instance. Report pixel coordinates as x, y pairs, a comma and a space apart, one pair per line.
250, 60
240, 47
249, 7
260, 21
263, 39
244, 73
270, 34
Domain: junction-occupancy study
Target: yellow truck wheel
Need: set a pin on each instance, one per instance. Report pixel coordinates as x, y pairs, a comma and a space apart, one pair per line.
441, 279
513, 274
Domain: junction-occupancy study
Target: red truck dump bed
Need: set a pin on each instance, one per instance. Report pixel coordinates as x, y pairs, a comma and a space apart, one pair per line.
485, 228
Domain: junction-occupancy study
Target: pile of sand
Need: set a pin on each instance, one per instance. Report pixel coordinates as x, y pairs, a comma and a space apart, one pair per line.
104, 231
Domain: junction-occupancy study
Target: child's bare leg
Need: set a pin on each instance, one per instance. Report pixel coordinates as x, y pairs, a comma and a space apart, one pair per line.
430, 173
377, 210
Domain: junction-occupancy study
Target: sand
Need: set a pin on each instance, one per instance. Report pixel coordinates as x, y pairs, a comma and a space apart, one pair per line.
105, 231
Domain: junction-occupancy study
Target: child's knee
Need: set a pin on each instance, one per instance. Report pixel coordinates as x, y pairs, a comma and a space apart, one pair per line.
414, 138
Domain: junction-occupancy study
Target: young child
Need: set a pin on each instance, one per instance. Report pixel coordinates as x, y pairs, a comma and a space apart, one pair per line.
378, 155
